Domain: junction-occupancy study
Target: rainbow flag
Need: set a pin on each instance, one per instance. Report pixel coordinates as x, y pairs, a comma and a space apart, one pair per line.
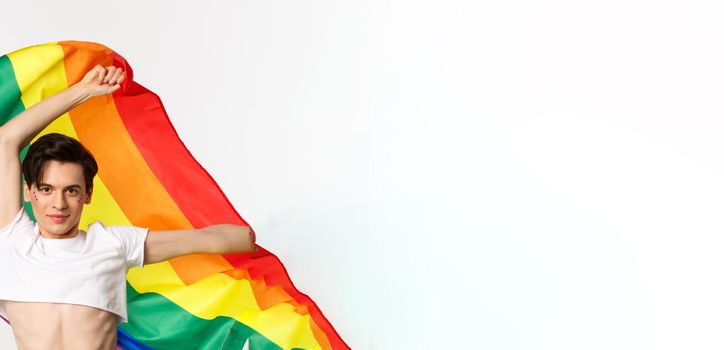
148, 178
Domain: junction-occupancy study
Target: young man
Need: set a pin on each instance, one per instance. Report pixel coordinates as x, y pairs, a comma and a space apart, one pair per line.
62, 288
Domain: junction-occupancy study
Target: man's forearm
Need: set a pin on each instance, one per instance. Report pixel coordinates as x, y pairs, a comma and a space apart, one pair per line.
23, 128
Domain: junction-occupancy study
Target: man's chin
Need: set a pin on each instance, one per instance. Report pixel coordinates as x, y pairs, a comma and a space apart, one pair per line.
58, 229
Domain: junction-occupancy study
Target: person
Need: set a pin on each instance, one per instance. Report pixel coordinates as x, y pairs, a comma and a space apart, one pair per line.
61, 287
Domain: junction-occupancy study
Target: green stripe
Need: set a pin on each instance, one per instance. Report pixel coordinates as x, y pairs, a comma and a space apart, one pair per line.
11, 105
161, 324
26, 205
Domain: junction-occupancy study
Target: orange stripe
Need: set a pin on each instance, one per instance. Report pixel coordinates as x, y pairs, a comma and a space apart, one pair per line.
191, 268
127, 177
266, 296
319, 335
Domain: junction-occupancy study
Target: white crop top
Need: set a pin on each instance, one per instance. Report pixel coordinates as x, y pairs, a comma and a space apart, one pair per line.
88, 269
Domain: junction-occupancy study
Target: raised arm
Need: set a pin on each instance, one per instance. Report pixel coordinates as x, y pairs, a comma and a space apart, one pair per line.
218, 239
16, 133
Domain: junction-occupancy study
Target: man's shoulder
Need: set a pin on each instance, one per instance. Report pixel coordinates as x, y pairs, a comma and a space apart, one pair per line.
120, 232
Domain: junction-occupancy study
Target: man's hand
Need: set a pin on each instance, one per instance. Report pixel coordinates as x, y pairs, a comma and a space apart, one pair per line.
232, 238
101, 80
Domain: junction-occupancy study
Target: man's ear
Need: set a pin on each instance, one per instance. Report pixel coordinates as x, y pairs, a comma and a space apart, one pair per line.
88, 196
26, 192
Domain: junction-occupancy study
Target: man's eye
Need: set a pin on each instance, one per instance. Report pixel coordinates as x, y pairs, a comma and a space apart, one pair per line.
72, 191
44, 189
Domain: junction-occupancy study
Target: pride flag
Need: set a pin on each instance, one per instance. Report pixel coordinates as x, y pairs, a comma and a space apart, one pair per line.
148, 178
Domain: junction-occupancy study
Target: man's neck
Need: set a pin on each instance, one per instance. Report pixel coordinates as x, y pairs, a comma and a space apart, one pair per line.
70, 234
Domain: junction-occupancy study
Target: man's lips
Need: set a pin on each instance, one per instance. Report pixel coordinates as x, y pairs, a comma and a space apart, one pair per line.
58, 218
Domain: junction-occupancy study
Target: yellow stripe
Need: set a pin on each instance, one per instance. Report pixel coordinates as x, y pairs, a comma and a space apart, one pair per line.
220, 295
40, 72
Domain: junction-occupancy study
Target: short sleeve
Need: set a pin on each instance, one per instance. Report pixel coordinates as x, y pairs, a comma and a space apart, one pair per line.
133, 239
21, 223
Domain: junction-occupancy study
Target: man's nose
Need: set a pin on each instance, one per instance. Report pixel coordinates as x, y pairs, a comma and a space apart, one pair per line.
59, 201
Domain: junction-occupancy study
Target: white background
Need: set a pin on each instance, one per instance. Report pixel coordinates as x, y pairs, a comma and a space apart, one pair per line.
457, 174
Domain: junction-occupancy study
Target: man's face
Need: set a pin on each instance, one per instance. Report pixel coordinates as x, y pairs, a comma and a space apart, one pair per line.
58, 199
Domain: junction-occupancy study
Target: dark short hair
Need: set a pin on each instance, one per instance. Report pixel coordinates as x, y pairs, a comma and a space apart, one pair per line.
62, 148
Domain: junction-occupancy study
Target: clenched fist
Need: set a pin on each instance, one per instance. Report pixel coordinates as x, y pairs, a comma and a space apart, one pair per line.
101, 80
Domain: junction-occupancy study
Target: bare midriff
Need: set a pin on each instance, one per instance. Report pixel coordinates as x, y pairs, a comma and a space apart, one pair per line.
45, 326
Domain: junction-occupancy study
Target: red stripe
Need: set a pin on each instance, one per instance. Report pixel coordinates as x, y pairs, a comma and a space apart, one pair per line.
182, 175
155, 137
